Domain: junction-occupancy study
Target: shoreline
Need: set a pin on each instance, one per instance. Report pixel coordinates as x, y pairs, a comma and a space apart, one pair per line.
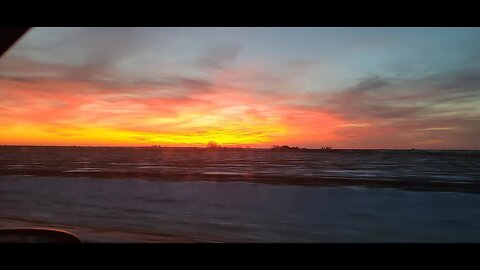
235, 148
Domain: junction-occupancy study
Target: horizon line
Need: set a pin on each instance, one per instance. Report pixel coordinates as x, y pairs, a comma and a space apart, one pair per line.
240, 147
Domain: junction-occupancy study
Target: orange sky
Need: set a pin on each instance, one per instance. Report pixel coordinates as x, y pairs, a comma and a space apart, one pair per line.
69, 114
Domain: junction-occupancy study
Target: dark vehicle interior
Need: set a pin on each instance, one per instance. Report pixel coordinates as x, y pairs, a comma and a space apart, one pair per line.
9, 35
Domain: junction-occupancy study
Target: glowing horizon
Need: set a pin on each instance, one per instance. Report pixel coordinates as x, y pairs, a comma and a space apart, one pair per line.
256, 87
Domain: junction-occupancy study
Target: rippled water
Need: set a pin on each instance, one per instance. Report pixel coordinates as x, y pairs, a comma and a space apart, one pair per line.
365, 164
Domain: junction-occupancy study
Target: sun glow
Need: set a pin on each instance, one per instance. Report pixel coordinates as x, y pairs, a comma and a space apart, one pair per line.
229, 134
52, 112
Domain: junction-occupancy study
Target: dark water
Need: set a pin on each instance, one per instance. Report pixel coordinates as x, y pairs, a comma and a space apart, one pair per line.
247, 164
233, 195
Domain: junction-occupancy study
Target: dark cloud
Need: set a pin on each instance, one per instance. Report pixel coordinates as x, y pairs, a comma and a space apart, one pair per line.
440, 107
141, 138
219, 57
370, 83
86, 53
168, 83
24, 71
358, 99
456, 82
103, 48
18, 79
386, 98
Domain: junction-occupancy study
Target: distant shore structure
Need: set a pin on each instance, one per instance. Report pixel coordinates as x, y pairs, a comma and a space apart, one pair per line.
214, 145
293, 148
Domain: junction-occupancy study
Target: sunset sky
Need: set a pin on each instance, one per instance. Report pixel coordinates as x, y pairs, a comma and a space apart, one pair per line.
257, 87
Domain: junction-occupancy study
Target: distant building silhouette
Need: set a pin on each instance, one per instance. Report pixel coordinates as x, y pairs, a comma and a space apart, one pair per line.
288, 148
284, 147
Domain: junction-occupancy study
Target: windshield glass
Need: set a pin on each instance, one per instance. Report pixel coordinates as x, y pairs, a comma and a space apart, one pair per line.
243, 134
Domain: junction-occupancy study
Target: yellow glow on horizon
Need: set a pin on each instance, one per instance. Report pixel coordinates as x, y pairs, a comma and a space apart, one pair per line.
34, 116
97, 136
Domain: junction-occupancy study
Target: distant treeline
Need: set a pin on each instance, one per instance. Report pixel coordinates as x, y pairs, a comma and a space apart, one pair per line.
210, 145
290, 148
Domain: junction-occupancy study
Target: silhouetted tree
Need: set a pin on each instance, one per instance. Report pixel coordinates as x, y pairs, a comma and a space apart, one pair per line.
212, 144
